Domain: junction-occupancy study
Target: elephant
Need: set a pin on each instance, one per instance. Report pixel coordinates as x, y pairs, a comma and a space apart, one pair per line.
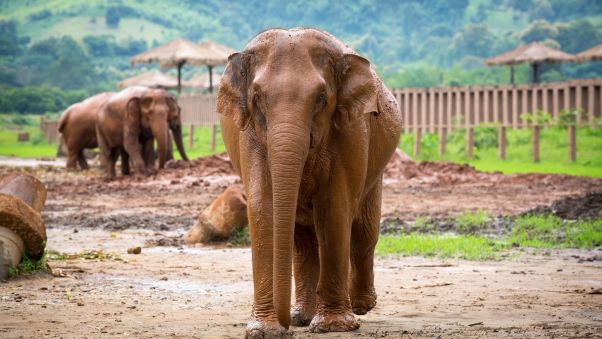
309, 127
129, 122
78, 128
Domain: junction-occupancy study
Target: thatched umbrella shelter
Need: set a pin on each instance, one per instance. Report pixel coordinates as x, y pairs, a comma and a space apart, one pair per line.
204, 81
216, 55
592, 54
150, 79
174, 54
534, 54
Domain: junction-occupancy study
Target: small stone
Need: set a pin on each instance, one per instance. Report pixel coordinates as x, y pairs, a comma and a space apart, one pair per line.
135, 250
80, 303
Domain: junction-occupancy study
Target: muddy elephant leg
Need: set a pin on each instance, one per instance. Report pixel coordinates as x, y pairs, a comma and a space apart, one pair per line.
105, 155
332, 215
364, 235
71, 160
148, 153
307, 272
125, 162
81, 159
134, 150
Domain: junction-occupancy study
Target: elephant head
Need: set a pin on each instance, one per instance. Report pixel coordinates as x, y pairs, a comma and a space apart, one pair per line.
293, 92
153, 113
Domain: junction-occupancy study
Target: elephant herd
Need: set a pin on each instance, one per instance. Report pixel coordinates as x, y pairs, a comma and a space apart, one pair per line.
125, 124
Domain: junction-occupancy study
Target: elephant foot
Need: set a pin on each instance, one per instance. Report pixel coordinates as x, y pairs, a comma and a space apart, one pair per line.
300, 317
337, 322
361, 305
257, 329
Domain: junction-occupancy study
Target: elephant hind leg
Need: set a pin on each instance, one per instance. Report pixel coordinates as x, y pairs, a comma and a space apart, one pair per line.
125, 162
364, 236
306, 272
81, 159
72, 160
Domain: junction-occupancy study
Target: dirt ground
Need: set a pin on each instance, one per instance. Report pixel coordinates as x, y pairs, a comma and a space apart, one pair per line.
206, 291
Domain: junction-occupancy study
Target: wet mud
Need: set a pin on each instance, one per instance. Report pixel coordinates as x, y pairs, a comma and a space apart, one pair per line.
98, 289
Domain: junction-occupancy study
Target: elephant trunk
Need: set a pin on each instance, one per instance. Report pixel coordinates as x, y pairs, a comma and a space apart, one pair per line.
288, 146
177, 136
160, 133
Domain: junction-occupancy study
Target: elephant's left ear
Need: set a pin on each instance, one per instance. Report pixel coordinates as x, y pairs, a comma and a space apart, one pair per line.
357, 92
174, 109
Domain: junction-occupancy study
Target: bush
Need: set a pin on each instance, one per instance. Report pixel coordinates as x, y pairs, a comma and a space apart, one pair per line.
37, 99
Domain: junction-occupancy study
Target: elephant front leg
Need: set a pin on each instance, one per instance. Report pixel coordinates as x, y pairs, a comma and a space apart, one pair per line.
125, 162
148, 154
307, 272
81, 159
332, 215
106, 158
133, 148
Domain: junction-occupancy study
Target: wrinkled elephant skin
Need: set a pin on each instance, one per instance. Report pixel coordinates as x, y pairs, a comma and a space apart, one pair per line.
309, 126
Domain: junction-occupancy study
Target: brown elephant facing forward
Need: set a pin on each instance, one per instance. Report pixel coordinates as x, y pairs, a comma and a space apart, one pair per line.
78, 128
129, 122
309, 126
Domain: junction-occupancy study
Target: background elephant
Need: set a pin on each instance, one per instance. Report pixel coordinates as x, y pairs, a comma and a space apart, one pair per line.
309, 126
129, 123
78, 128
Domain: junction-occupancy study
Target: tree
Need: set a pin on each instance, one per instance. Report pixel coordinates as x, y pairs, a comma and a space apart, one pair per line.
474, 40
9, 41
112, 17
540, 30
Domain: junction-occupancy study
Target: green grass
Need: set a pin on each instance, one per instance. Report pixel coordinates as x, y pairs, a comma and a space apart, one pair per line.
469, 247
80, 26
533, 231
471, 221
38, 146
28, 266
553, 151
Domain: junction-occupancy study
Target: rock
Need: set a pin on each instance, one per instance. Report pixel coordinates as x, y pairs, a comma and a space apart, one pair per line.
135, 250
226, 213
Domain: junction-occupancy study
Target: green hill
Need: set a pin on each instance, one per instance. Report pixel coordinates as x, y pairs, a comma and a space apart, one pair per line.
411, 42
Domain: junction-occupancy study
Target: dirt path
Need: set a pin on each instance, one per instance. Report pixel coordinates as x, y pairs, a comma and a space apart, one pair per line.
207, 291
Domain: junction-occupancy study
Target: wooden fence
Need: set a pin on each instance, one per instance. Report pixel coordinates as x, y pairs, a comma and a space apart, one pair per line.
199, 110
50, 129
443, 109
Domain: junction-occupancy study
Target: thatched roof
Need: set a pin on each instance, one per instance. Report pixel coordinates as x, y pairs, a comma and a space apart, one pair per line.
531, 53
216, 54
150, 79
176, 52
594, 53
202, 80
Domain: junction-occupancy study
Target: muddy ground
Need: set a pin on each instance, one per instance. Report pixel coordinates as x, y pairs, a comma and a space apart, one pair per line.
97, 289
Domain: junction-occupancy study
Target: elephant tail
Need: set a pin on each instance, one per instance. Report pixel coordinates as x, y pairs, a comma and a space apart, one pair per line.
63, 120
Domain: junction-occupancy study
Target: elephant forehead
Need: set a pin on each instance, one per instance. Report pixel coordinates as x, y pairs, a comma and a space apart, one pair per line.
277, 42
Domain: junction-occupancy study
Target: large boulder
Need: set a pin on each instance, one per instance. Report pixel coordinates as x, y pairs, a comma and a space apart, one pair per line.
217, 222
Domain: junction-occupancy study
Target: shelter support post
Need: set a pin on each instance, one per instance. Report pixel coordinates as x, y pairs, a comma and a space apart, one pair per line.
469, 142
535, 142
572, 130
501, 141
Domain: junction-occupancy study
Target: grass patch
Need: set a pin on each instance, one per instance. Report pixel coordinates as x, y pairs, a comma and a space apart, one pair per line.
471, 221
240, 237
553, 151
552, 232
532, 231
28, 266
469, 247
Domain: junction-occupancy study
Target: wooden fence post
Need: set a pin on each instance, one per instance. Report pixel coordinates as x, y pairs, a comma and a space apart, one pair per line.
417, 140
213, 133
501, 141
469, 142
535, 143
191, 136
442, 135
572, 143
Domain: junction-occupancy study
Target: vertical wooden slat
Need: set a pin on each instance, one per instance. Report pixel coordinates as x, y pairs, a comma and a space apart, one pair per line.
514, 108
431, 110
469, 142
590, 105
477, 112
442, 136
578, 102
544, 97
524, 104
406, 111
496, 109
505, 105
486, 111
213, 137
458, 113
555, 107
423, 110
414, 94
191, 136
467, 104
417, 141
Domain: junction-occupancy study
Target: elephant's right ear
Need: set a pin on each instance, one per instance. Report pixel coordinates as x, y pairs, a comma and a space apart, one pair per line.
232, 93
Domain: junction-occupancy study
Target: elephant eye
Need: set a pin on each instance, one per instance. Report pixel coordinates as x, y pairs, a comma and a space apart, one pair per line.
320, 102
